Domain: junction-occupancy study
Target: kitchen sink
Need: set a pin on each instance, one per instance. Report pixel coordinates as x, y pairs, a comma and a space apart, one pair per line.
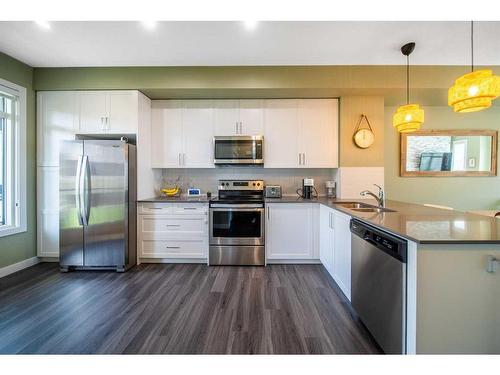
352, 205
372, 209
363, 207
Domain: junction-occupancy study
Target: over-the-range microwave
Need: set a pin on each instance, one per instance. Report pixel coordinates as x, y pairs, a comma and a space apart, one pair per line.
242, 150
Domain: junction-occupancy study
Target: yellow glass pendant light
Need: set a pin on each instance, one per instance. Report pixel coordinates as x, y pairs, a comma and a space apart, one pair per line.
408, 118
474, 91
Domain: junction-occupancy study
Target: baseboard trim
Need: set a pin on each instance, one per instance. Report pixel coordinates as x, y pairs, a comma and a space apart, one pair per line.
293, 261
172, 260
48, 259
5, 271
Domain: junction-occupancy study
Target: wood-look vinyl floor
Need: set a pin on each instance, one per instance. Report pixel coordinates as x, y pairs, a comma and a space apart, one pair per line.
181, 309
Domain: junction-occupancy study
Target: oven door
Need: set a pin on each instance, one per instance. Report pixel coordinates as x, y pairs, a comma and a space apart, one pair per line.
237, 225
239, 150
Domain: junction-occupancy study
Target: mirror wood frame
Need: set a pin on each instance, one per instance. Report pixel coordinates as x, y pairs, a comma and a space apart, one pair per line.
403, 149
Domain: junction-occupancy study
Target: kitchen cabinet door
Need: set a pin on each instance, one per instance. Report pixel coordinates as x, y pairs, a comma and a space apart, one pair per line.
93, 112
166, 134
122, 112
318, 120
289, 231
281, 133
198, 133
48, 211
326, 238
57, 120
342, 254
251, 117
226, 117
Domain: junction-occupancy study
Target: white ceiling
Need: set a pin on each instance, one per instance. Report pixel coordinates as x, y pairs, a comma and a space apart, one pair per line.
71, 44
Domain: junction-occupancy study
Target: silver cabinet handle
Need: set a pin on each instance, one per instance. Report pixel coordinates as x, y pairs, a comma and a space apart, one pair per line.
173, 247
190, 208
173, 225
180, 158
304, 158
241, 127
299, 159
236, 127
184, 159
268, 217
107, 123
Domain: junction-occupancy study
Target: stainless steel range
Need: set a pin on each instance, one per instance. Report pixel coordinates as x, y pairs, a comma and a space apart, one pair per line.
237, 224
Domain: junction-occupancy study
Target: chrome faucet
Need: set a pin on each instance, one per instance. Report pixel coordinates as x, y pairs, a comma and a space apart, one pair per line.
380, 198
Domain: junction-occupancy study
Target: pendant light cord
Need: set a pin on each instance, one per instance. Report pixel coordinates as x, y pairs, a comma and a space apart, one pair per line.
472, 45
407, 79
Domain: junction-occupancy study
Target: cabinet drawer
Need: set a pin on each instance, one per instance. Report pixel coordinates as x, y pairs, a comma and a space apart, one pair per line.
154, 208
157, 226
173, 249
189, 208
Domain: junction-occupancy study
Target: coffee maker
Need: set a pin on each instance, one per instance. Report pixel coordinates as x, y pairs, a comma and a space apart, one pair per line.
308, 191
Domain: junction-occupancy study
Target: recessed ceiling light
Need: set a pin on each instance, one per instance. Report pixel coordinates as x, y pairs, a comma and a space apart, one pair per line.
150, 25
250, 25
43, 24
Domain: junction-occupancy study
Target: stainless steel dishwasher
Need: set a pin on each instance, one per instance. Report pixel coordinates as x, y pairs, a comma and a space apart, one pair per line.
378, 284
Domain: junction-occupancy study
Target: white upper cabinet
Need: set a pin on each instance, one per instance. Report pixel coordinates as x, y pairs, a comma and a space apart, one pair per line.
198, 133
166, 134
318, 120
251, 117
57, 120
301, 133
182, 134
92, 111
239, 117
281, 133
108, 112
122, 112
226, 117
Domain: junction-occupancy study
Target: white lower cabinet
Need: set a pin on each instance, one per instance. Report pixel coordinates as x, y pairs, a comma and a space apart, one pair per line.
173, 231
290, 231
335, 246
326, 238
342, 252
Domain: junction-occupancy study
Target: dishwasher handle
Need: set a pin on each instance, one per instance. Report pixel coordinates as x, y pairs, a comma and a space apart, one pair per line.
388, 243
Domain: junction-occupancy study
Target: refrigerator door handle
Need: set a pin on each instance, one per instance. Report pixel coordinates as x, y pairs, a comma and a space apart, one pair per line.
85, 187
78, 195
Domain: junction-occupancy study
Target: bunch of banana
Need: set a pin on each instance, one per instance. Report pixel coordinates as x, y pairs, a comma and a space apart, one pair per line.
171, 191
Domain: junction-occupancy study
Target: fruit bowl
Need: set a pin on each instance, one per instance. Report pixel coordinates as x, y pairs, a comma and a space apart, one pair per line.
171, 191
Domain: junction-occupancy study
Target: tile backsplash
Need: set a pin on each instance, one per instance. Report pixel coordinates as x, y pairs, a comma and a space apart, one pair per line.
207, 179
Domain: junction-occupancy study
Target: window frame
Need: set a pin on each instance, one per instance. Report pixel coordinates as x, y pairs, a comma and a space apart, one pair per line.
18, 202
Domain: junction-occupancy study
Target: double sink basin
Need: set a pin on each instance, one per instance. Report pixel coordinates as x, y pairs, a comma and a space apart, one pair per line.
363, 207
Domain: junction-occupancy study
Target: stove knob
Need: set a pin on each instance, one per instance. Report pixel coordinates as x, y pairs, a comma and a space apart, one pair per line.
253, 184
258, 183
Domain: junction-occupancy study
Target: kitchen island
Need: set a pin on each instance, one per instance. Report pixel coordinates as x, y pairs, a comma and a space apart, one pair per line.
453, 302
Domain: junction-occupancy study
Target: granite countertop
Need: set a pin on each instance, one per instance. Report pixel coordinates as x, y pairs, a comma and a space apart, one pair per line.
181, 199
422, 224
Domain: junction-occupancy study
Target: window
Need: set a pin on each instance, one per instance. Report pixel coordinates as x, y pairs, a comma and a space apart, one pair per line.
12, 158
459, 155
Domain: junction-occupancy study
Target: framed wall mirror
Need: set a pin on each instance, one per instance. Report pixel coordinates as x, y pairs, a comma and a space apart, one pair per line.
449, 153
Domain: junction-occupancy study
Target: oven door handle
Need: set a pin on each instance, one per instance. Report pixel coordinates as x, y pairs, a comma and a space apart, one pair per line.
237, 206
237, 209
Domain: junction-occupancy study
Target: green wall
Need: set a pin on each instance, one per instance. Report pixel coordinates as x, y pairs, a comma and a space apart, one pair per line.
463, 193
18, 247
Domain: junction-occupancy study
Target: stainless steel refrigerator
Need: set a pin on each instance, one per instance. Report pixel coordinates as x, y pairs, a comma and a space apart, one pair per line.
97, 197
